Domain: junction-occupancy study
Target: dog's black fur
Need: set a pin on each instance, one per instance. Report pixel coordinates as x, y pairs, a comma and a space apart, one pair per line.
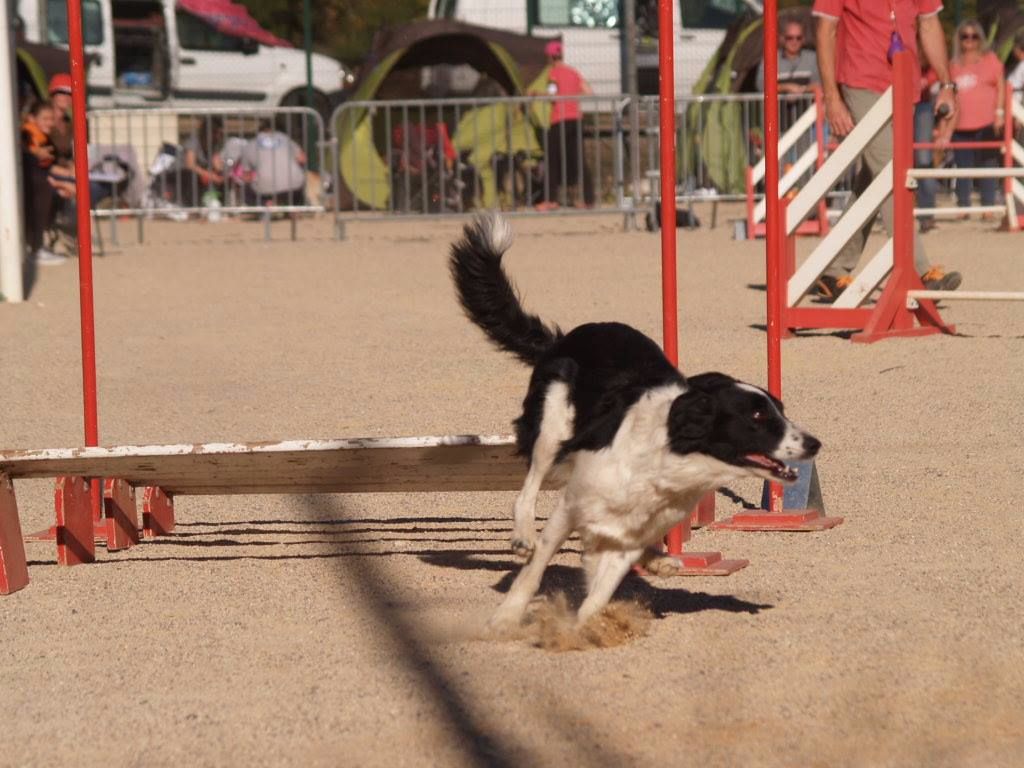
607, 416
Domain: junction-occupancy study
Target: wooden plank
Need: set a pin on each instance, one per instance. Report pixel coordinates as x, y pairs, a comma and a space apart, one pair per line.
803, 164
846, 153
851, 222
797, 130
360, 465
869, 278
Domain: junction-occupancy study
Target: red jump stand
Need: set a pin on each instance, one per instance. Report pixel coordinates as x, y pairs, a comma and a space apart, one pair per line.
13, 566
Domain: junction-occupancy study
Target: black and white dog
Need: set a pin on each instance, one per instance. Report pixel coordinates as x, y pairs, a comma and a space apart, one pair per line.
608, 418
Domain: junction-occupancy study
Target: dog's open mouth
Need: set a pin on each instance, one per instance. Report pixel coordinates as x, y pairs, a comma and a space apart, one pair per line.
777, 469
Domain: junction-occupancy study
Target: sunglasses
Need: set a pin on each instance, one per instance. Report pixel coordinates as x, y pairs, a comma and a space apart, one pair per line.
970, 36
794, 37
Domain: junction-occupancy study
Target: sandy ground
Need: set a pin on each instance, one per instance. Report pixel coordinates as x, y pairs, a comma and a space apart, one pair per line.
290, 630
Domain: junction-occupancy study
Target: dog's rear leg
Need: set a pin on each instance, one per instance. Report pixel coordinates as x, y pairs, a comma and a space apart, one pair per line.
605, 572
511, 610
555, 427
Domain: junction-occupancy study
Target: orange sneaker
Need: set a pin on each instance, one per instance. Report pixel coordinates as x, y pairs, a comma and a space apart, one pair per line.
829, 287
937, 279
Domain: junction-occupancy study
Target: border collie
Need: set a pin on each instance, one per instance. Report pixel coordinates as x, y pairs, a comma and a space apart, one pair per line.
611, 421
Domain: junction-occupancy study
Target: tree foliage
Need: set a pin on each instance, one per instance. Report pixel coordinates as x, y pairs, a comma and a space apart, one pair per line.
341, 28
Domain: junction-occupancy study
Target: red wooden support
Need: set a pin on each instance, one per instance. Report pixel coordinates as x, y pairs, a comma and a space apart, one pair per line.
74, 531
13, 566
1012, 222
891, 317
699, 563
157, 512
704, 514
121, 518
788, 520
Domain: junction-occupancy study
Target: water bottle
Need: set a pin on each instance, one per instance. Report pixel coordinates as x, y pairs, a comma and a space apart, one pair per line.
211, 201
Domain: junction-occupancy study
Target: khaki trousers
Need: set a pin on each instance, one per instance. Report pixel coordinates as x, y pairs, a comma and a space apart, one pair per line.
876, 155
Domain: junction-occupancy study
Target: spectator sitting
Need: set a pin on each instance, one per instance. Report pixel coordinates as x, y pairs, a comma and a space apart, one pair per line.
798, 66
62, 134
201, 162
982, 90
277, 166
38, 155
798, 75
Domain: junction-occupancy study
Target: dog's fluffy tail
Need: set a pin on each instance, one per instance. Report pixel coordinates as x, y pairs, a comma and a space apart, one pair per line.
487, 295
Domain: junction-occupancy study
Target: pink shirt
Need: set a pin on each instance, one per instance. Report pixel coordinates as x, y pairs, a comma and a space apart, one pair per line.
977, 90
865, 29
563, 80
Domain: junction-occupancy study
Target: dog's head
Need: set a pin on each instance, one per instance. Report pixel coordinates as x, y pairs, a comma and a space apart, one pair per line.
740, 425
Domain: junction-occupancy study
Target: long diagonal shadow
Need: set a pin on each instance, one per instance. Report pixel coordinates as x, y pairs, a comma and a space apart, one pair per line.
361, 563
484, 748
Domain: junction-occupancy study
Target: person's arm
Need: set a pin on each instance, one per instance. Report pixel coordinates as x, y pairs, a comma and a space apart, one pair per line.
933, 43
585, 88
1001, 104
836, 112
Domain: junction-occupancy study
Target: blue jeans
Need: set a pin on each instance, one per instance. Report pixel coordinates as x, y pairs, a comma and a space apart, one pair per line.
924, 124
975, 158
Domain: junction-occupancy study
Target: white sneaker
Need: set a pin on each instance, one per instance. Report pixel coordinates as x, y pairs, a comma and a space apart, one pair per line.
47, 258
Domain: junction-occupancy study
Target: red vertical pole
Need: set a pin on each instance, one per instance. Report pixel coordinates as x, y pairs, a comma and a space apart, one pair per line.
85, 285
667, 130
774, 229
902, 162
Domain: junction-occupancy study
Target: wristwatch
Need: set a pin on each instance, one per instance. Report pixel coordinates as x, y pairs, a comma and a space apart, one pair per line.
951, 85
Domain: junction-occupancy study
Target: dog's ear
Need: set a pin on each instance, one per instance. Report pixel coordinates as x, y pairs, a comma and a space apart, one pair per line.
690, 420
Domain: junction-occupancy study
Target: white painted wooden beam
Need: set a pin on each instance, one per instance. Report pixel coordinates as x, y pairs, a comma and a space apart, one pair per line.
830, 245
846, 153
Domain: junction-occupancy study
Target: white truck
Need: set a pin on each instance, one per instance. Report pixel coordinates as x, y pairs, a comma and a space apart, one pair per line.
591, 31
156, 53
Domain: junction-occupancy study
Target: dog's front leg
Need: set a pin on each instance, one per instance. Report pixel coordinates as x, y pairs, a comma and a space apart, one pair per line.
555, 427
605, 572
511, 610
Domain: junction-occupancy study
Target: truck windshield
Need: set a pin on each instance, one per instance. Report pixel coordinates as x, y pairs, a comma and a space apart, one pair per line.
57, 22
598, 14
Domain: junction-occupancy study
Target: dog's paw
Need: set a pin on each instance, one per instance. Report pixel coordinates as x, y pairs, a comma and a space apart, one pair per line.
504, 623
522, 548
662, 566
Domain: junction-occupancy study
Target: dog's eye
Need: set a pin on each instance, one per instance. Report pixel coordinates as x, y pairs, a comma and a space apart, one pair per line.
759, 416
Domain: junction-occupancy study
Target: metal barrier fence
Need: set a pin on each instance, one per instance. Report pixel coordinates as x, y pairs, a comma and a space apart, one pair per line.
448, 156
423, 157
183, 163
717, 136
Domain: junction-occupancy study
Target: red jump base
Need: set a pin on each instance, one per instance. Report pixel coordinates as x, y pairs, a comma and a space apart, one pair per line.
792, 520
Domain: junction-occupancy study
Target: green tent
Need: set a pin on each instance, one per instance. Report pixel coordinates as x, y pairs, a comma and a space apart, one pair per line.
505, 61
715, 130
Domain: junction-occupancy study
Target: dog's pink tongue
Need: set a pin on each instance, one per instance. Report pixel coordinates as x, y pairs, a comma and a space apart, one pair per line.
760, 458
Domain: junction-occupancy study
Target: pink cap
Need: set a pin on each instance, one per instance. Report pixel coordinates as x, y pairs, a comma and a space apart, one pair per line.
553, 49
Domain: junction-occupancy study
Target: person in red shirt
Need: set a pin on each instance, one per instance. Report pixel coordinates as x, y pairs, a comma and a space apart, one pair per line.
563, 139
981, 86
855, 40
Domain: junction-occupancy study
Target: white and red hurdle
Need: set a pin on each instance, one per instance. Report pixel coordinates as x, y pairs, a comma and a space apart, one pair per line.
813, 156
95, 491
904, 308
